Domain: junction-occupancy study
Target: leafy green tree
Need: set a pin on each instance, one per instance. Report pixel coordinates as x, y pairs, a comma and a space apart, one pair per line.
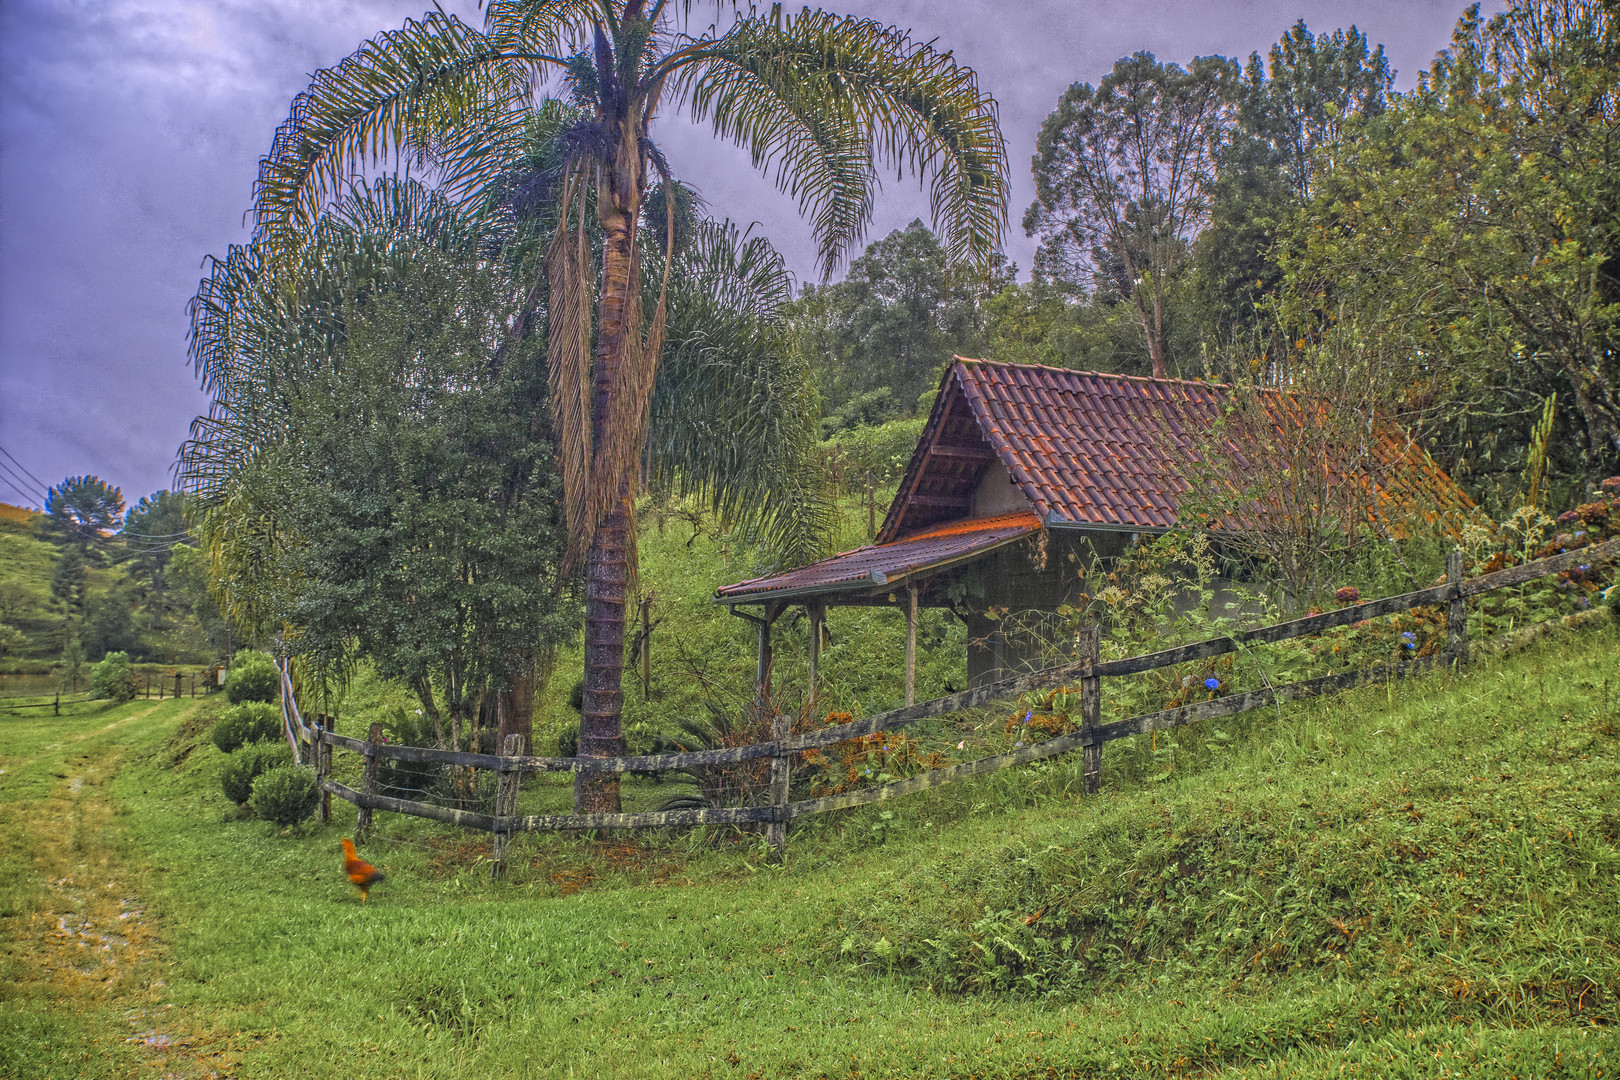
1291, 116
153, 529
207, 630
113, 679
109, 620
10, 638
868, 459
1473, 228
427, 511
69, 669
83, 511
821, 100
893, 323
70, 584
1123, 173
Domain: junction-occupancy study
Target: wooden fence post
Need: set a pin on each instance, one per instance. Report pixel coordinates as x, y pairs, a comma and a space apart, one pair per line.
368, 782
911, 643
1457, 611
323, 764
177, 677
781, 771
506, 803
1091, 704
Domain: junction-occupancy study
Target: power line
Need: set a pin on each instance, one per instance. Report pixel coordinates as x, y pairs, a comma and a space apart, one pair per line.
43, 486
17, 482
15, 488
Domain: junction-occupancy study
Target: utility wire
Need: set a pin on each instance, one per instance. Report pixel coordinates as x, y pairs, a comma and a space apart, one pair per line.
43, 486
15, 488
18, 483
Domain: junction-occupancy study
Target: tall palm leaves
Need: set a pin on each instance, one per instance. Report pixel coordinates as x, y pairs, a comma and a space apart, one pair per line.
822, 103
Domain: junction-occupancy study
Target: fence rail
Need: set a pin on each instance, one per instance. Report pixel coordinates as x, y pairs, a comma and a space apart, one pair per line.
315, 742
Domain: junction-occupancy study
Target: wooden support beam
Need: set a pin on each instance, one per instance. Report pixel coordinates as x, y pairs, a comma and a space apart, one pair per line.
762, 669
911, 643
962, 453
941, 502
818, 615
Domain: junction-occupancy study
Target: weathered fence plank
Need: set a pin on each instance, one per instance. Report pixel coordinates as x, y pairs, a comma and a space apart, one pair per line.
465, 819
1091, 736
1553, 564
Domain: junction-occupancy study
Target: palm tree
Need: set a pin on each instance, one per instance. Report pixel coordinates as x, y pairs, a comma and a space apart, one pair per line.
821, 102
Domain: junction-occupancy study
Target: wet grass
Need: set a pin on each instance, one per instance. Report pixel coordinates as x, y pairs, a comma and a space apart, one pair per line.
1413, 881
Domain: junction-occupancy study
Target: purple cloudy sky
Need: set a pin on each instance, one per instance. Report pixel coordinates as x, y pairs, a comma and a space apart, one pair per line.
130, 132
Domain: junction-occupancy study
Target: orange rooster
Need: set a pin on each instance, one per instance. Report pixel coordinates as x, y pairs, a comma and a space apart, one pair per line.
362, 873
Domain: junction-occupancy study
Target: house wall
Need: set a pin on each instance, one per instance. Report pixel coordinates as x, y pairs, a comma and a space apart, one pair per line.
997, 493
1028, 592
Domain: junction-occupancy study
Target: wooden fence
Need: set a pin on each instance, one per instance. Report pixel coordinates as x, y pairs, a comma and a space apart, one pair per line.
315, 743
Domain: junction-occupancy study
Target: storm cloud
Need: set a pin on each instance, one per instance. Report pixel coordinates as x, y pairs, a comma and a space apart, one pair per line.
130, 132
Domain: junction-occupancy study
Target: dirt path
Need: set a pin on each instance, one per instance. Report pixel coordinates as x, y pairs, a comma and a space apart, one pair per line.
83, 941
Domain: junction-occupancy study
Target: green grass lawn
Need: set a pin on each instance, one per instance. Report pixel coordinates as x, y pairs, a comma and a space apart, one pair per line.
1421, 880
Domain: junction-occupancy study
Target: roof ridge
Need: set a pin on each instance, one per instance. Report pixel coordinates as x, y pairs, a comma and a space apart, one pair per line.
1100, 374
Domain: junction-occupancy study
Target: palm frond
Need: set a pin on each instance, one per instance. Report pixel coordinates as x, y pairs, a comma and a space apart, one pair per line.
436, 93
822, 101
733, 416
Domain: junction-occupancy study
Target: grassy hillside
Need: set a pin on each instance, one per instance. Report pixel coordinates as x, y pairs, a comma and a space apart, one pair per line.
1420, 880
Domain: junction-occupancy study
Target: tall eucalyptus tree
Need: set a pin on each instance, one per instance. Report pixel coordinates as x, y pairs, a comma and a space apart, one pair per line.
820, 101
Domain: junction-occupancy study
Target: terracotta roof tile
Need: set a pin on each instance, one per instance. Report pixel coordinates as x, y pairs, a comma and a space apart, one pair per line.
1093, 448
878, 565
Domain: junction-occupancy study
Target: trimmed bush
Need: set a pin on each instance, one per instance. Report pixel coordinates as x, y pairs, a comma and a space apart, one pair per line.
113, 679
253, 722
285, 795
252, 677
240, 770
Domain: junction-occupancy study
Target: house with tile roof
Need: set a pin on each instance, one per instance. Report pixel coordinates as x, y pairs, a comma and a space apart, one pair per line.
1025, 474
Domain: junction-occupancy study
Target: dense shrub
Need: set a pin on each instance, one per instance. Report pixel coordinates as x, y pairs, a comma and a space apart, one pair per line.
240, 770
254, 721
409, 779
253, 677
568, 739
113, 679
285, 795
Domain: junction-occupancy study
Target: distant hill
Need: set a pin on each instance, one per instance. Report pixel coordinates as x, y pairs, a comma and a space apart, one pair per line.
20, 515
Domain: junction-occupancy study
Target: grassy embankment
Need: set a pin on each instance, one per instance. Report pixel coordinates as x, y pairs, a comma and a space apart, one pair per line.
1421, 880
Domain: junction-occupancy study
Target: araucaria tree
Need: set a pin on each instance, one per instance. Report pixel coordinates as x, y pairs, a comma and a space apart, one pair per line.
1123, 173
821, 102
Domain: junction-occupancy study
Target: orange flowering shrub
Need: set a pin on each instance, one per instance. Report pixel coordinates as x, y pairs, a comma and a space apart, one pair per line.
865, 760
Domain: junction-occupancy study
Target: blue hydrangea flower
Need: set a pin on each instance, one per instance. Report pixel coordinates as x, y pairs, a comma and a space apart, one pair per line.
1212, 683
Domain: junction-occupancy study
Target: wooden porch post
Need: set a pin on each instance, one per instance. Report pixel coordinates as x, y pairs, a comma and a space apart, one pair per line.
911, 643
818, 613
762, 669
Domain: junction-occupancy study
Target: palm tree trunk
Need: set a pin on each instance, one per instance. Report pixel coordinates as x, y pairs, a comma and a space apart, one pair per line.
606, 561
